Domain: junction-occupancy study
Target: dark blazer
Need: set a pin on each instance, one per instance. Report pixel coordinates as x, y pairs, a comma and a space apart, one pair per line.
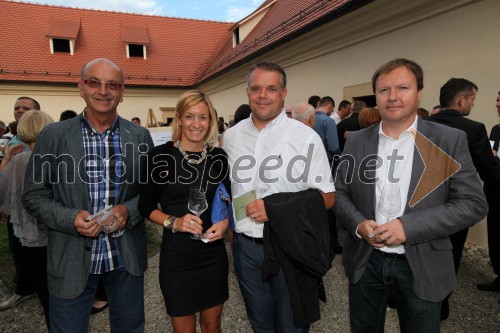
454, 205
487, 165
296, 238
495, 136
350, 124
54, 194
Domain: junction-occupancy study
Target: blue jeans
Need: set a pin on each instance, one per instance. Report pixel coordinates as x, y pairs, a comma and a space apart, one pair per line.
384, 278
126, 304
268, 304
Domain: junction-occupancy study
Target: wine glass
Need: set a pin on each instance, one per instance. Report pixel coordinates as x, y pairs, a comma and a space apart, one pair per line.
390, 201
109, 222
197, 204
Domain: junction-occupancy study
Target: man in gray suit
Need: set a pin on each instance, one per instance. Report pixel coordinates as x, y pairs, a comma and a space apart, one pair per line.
397, 246
79, 167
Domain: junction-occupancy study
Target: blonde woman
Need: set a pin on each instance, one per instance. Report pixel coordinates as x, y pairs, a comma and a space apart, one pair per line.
193, 273
33, 235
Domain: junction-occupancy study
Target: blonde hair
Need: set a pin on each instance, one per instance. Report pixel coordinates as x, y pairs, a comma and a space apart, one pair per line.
31, 123
187, 100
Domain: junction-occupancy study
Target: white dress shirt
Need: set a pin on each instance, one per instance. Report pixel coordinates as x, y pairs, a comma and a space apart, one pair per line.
336, 117
397, 172
273, 164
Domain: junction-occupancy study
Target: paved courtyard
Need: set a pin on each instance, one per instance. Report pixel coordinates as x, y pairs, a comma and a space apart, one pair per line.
471, 310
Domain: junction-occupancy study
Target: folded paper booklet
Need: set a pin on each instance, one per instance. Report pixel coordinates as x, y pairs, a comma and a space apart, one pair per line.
240, 203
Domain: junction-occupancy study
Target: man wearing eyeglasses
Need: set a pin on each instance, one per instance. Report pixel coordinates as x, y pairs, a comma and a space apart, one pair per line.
79, 167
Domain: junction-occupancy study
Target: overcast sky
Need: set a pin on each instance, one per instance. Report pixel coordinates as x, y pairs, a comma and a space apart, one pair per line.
217, 10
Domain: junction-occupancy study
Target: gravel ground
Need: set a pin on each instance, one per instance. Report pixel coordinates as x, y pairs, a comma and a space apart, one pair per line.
470, 310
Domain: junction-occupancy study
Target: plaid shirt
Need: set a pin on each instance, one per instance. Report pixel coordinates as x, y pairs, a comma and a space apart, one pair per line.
103, 176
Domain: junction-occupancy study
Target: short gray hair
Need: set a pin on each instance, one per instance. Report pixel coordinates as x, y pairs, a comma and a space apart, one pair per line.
306, 110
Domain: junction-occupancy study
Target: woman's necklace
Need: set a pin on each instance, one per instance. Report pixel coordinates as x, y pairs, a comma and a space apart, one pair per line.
192, 160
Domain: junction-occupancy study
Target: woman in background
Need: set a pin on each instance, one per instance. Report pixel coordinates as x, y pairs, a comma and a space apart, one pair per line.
368, 117
33, 235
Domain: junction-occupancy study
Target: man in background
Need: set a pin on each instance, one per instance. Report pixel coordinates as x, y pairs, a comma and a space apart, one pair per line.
314, 101
349, 124
304, 113
326, 127
136, 121
343, 111
457, 98
493, 218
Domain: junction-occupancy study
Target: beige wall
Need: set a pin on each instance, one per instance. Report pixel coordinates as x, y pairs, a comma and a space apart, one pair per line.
54, 100
447, 38
453, 39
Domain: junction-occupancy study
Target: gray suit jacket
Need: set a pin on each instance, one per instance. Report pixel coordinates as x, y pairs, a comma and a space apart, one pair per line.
54, 193
454, 205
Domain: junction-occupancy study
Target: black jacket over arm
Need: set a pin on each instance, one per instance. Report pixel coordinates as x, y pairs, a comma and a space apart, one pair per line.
296, 238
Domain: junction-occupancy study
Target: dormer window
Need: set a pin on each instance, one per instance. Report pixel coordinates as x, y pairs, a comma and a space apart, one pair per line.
136, 51
62, 36
136, 38
58, 45
245, 26
236, 36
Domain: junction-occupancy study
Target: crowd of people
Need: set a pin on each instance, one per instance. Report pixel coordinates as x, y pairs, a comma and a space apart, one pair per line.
274, 182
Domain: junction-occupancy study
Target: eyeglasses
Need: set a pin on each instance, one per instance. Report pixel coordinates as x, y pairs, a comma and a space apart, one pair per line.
96, 84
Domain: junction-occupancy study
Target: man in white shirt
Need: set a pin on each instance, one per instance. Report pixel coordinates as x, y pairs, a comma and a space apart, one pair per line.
272, 154
398, 213
342, 112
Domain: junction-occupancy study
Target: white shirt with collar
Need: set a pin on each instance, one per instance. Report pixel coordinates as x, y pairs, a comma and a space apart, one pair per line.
399, 171
285, 156
336, 117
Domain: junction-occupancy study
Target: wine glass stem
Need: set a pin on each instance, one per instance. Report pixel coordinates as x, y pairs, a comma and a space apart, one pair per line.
198, 215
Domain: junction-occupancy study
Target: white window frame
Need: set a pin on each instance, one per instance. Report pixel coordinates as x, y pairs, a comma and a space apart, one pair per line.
71, 45
143, 51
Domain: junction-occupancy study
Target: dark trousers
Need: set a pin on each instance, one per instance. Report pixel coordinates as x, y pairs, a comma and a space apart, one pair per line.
493, 225
100, 293
23, 286
332, 226
268, 304
383, 278
458, 241
35, 266
126, 304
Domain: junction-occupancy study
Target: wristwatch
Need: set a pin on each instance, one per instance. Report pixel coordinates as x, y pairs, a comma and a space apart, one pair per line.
169, 223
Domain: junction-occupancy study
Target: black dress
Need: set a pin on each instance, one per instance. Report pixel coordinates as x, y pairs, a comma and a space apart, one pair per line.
193, 274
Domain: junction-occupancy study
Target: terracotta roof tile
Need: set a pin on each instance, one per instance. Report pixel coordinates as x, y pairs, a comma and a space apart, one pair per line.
135, 35
64, 29
283, 19
178, 52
